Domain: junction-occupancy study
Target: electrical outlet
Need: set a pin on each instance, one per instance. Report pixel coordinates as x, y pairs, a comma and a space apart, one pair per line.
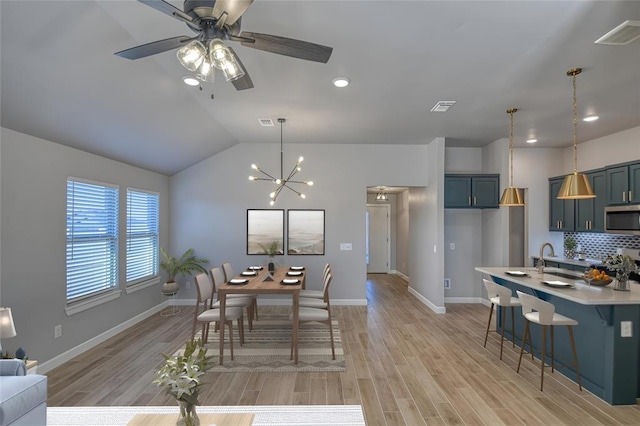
626, 329
452, 246
447, 283
57, 331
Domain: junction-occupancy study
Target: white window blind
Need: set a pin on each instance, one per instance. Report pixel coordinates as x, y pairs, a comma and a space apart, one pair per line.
142, 235
92, 238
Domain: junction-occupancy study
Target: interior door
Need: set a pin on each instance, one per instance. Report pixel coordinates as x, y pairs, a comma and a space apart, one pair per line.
378, 231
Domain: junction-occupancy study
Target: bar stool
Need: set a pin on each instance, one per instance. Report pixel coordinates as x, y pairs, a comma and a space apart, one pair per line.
500, 296
543, 313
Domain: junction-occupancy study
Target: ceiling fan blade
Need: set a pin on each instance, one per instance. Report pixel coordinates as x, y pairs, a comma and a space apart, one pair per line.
287, 46
154, 47
233, 8
168, 9
243, 82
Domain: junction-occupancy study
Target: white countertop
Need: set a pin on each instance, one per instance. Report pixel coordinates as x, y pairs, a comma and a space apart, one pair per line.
580, 292
584, 262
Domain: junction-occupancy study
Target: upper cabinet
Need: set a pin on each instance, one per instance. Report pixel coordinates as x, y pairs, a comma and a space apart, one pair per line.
471, 191
623, 184
589, 216
561, 212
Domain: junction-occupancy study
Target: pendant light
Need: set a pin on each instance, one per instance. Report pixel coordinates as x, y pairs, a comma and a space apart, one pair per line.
575, 185
511, 197
282, 182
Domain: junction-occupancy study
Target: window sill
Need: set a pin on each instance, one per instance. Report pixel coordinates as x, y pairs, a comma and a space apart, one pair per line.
92, 302
132, 288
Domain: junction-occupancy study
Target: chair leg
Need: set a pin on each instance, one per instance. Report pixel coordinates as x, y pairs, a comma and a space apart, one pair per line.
575, 355
193, 331
486, 335
552, 351
543, 355
230, 323
255, 307
524, 339
333, 350
250, 316
504, 311
241, 330
513, 327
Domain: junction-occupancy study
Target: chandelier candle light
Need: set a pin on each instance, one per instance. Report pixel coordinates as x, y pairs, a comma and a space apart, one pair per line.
281, 182
575, 185
511, 197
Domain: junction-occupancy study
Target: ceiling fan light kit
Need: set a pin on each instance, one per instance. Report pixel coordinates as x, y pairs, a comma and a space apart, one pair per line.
215, 21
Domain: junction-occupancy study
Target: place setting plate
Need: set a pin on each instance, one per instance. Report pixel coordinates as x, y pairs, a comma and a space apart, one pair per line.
289, 281
294, 273
297, 268
238, 281
557, 284
517, 273
249, 273
255, 268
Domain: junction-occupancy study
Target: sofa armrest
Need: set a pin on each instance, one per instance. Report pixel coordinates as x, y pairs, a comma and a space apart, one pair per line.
12, 367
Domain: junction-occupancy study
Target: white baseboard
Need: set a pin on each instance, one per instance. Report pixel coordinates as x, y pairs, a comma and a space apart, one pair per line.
428, 303
403, 276
463, 300
85, 346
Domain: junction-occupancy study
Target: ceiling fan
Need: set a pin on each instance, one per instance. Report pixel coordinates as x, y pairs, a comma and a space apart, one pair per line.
214, 21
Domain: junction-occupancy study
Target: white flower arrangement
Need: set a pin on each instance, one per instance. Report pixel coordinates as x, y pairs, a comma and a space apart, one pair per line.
623, 265
181, 375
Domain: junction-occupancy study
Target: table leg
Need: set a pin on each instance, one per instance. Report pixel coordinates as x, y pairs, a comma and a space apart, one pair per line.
223, 300
296, 304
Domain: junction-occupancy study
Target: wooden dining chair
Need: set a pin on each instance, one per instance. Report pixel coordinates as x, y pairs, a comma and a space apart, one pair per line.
228, 274
243, 302
317, 314
317, 294
208, 315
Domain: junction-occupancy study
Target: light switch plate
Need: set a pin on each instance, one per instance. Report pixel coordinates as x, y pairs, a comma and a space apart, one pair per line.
345, 246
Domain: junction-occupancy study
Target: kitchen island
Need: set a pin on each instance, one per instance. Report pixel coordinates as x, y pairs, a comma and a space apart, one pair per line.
609, 362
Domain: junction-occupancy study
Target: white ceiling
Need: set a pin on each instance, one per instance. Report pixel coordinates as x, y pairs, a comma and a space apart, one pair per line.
61, 81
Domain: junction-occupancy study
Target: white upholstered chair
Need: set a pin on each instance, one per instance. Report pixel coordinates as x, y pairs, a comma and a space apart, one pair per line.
228, 275
208, 315
319, 314
240, 301
501, 296
323, 301
538, 311
317, 294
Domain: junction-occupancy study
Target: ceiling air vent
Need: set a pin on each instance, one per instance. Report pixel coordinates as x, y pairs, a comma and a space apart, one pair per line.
623, 34
266, 122
442, 106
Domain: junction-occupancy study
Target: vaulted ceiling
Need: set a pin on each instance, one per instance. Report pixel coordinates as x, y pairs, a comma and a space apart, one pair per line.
61, 81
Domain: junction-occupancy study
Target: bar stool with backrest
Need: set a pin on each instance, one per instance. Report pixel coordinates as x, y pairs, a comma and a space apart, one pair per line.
317, 294
501, 296
207, 315
228, 274
540, 312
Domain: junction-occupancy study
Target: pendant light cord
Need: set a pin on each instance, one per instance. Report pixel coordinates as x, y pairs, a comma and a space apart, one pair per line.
575, 126
281, 121
511, 147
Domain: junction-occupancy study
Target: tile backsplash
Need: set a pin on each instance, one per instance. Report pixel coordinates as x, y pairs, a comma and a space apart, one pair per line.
597, 246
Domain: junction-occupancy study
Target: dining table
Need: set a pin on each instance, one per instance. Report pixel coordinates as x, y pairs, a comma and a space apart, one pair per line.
258, 280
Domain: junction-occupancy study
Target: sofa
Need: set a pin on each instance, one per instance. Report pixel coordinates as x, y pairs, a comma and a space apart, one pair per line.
23, 398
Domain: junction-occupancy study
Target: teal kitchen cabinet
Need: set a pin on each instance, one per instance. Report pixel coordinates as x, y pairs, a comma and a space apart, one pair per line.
623, 184
561, 212
589, 213
471, 191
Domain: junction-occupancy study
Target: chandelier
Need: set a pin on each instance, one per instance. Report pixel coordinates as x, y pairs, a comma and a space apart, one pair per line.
575, 185
281, 182
204, 60
511, 197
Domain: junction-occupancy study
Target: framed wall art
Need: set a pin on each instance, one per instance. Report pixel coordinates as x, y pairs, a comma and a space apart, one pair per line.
265, 231
305, 232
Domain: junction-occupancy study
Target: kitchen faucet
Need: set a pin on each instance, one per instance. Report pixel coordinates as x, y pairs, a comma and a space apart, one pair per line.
540, 264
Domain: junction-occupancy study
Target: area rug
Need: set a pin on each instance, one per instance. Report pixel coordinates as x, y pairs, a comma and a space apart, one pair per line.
267, 348
265, 415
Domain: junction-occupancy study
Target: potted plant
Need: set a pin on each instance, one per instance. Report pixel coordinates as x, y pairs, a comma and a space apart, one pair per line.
623, 265
570, 247
185, 264
271, 251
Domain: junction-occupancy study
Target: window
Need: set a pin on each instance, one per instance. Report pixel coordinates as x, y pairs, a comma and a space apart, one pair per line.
92, 238
142, 235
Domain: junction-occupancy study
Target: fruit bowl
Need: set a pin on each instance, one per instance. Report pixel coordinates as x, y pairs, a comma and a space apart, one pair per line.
601, 283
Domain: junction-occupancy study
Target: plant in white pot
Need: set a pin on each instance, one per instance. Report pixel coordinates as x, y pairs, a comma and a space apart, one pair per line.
183, 265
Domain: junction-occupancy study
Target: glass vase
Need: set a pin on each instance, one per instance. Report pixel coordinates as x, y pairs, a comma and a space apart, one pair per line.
188, 415
622, 282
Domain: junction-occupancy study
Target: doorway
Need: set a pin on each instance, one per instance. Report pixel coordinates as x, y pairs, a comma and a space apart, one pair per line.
378, 240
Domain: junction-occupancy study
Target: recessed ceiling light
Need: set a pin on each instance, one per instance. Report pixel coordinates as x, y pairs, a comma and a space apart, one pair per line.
590, 118
532, 140
341, 82
190, 81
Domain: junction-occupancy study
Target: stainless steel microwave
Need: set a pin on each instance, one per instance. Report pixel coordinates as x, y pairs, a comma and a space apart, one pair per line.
622, 220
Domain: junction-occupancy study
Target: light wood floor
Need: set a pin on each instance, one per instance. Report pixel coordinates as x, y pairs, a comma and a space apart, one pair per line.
405, 365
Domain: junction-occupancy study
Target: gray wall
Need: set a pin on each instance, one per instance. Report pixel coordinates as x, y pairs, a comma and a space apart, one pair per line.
210, 199
33, 173
402, 227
